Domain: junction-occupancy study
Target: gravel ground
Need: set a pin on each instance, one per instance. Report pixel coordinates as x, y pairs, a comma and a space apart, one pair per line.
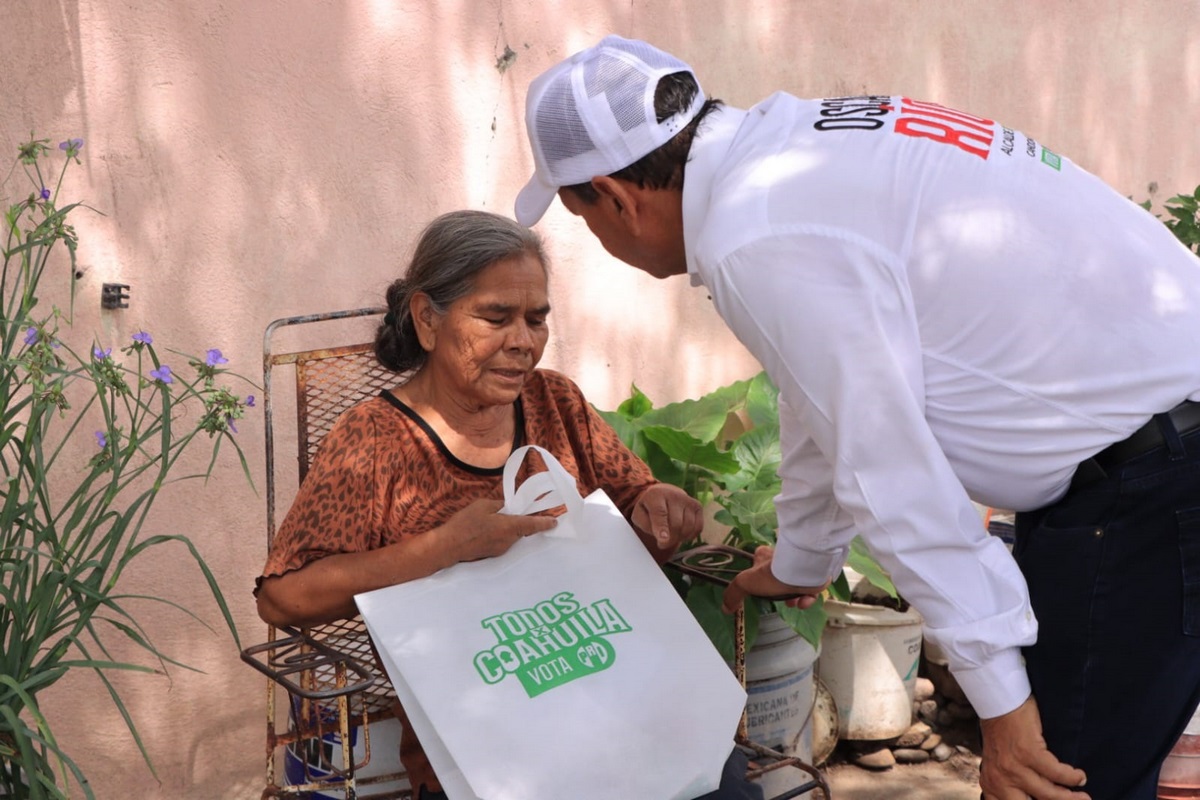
956, 779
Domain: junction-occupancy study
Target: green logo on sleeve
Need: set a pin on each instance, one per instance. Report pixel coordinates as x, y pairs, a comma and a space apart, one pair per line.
1053, 159
553, 643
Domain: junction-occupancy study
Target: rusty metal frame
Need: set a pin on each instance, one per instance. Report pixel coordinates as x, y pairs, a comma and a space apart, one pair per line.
330, 673
271, 360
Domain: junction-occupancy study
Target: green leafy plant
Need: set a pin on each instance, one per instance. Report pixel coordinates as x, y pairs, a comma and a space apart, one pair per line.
1183, 218
88, 439
723, 448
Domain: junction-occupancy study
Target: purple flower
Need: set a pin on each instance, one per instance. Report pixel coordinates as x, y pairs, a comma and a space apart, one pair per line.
163, 374
230, 425
250, 401
101, 439
45, 193
70, 144
141, 337
100, 354
31, 336
214, 357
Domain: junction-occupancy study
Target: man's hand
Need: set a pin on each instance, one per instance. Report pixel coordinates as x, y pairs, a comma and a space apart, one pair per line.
1016, 763
759, 582
669, 514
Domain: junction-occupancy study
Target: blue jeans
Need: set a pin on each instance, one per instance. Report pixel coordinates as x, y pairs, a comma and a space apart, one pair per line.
1114, 577
734, 785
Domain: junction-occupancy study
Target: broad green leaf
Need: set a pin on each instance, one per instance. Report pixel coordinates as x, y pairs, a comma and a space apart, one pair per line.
704, 600
635, 405
757, 451
861, 561
702, 418
809, 623
663, 467
762, 401
753, 512
1181, 213
840, 588
689, 450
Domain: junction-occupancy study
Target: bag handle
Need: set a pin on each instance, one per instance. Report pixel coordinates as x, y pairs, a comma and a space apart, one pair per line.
554, 487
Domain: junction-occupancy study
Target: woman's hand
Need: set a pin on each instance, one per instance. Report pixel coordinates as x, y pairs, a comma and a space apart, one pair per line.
323, 590
669, 515
480, 531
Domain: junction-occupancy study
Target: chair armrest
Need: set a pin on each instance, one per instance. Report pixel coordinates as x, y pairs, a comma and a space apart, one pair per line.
714, 563
298, 652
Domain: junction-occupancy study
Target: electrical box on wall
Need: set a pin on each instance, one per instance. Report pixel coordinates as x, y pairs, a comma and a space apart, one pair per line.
114, 295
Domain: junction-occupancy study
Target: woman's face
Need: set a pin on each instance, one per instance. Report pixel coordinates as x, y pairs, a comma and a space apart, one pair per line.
487, 343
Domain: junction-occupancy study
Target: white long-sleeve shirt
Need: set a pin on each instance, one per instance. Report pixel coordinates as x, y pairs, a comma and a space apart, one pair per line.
951, 312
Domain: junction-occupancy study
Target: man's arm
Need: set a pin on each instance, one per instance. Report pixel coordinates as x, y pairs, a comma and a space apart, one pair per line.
829, 320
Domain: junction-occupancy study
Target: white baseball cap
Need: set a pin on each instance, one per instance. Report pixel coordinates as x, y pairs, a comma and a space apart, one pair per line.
593, 114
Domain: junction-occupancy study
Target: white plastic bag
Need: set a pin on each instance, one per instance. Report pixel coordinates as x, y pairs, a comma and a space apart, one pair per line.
566, 668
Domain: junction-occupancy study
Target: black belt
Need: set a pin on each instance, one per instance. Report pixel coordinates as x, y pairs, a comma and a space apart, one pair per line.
1184, 417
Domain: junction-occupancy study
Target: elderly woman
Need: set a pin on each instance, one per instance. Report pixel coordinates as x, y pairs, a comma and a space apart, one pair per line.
409, 482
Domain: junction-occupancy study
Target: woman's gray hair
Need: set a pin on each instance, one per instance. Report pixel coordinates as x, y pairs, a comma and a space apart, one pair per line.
452, 250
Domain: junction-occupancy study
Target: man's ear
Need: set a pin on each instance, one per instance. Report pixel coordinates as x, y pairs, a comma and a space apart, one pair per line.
425, 320
623, 199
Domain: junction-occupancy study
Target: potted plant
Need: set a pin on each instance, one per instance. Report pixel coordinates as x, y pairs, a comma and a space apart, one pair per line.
723, 449
88, 439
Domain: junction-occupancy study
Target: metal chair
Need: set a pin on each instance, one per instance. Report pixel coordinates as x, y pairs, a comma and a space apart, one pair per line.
329, 675
333, 687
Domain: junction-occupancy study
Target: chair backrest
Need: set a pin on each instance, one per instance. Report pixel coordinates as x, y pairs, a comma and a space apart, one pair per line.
327, 381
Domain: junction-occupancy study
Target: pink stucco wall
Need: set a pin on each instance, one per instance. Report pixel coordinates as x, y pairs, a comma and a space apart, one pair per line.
265, 158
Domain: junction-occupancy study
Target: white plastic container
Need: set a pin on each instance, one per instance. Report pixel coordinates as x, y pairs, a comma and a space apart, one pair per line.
869, 660
781, 693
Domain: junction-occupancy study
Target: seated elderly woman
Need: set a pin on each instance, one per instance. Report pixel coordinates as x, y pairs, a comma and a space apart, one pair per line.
409, 482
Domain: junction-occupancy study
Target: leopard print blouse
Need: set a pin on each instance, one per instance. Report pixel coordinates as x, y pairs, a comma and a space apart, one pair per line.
382, 474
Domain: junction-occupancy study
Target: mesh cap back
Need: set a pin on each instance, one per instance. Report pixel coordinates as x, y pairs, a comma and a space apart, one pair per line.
593, 114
